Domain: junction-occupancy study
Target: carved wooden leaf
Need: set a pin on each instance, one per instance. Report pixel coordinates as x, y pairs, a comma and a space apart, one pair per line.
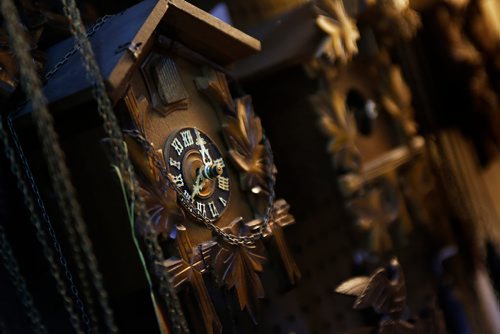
341, 45
396, 98
375, 210
188, 268
162, 208
160, 201
397, 19
238, 267
244, 133
214, 85
280, 214
328, 124
137, 109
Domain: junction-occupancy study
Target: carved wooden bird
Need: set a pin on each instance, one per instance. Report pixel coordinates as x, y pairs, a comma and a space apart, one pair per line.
385, 292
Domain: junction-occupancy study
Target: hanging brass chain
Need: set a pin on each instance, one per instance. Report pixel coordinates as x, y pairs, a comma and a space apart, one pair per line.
43, 240
187, 203
113, 131
90, 32
72, 238
17, 279
31, 84
72, 235
59, 174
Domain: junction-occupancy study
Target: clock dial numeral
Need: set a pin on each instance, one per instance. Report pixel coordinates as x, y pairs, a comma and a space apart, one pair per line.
175, 163
201, 208
223, 201
187, 138
213, 209
178, 180
187, 194
223, 183
176, 144
220, 162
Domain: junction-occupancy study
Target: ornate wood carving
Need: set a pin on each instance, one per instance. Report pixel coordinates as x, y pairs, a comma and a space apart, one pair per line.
162, 208
214, 85
238, 268
244, 135
160, 201
341, 131
137, 109
376, 209
392, 20
280, 219
236, 265
341, 45
395, 97
189, 268
342, 124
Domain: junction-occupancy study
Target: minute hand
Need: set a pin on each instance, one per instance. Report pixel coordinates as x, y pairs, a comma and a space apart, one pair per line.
205, 155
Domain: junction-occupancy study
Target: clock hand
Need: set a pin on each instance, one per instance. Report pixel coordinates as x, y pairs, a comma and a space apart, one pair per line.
205, 155
197, 186
204, 174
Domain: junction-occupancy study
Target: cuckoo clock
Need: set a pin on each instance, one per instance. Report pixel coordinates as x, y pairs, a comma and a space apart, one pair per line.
326, 65
359, 94
203, 163
372, 136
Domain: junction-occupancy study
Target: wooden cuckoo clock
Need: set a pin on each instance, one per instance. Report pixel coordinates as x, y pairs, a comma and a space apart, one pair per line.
372, 136
325, 66
203, 162
362, 100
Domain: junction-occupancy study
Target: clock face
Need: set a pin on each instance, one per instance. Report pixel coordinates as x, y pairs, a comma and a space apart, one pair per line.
197, 168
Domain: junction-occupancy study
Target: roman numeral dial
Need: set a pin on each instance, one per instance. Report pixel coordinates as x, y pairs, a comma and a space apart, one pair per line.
198, 170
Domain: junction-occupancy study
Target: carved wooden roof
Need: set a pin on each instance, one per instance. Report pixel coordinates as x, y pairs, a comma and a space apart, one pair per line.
177, 19
288, 39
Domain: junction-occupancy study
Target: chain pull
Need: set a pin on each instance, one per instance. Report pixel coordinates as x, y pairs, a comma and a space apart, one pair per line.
113, 131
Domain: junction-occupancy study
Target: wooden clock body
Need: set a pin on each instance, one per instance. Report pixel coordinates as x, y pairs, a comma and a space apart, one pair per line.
199, 113
131, 47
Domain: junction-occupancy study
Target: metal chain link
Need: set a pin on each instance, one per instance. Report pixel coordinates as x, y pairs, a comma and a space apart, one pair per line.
41, 235
91, 319
32, 86
90, 32
63, 188
113, 131
43, 240
17, 279
237, 240
72, 236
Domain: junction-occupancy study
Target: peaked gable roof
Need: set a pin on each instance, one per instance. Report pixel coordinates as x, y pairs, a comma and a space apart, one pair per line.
185, 23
